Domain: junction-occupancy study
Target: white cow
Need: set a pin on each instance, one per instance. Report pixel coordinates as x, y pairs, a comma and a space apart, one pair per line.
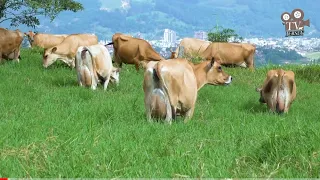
93, 65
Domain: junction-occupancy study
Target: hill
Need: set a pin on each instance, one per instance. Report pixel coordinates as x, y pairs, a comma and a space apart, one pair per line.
249, 18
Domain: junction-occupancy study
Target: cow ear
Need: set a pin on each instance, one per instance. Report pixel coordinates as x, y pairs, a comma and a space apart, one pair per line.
124, 38
54, 50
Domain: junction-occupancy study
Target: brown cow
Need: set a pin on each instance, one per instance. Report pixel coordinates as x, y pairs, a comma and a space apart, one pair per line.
240, 54
278, 90
10, 44
130, 50
66, 51
192, 47
172, 86
44, 40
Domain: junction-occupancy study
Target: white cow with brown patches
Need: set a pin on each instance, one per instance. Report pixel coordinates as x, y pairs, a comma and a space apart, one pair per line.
94, 65
278, 90
171, 86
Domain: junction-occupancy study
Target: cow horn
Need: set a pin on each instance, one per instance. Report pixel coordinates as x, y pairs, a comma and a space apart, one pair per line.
108, 44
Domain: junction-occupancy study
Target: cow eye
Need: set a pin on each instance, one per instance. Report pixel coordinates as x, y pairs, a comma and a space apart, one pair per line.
45, 56
219, 68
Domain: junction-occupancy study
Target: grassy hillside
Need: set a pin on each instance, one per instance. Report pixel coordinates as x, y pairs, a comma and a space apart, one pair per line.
51, 127
313, 55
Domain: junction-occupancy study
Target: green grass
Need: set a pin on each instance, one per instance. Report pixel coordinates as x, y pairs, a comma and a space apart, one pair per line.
313, 55
51, 127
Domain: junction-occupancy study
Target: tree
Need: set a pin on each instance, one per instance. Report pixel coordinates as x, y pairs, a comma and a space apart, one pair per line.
26, 11
224, 35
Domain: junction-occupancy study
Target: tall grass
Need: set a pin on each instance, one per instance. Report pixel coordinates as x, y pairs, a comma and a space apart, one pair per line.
51, 127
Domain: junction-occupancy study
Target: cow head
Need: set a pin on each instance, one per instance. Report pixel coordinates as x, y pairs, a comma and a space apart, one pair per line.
173, 54
115, 75
278, 91
30, 36
51, 55
215, 74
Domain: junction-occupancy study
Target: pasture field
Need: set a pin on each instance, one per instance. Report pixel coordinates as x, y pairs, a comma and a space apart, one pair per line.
51, 127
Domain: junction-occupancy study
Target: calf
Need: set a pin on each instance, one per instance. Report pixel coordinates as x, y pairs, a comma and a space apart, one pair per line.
94, 64
172, 86
278, 90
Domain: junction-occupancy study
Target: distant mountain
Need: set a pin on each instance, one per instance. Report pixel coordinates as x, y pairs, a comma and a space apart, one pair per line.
250, 18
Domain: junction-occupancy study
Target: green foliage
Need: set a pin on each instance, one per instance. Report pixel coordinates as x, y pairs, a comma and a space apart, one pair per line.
50, 126
224, 35
310, 73
26, 11
279, 55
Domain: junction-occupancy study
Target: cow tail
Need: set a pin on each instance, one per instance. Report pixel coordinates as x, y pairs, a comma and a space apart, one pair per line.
78, 62
91, 64
281, 94
177, 52
169, 107
109, 44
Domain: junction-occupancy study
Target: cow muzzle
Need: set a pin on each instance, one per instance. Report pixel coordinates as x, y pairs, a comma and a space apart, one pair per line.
228, 81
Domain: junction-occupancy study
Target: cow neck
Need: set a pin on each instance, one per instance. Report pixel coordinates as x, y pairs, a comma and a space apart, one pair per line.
200, 71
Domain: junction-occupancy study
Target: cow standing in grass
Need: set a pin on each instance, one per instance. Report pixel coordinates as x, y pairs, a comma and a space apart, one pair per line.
94, 65
131, 50
10, 44
171, 87
44, 40
66, 51
278, 90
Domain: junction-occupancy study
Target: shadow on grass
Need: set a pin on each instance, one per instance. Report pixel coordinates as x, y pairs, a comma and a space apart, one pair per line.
255, 107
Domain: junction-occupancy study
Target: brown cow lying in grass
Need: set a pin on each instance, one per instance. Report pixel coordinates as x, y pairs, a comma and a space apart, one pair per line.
171, 86
278, 90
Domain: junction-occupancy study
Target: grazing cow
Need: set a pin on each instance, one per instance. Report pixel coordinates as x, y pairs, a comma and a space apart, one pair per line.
130, 50
191, 47
278, 90
94, 64
66, 51
10, 44
44, 40
171, 87
240, 54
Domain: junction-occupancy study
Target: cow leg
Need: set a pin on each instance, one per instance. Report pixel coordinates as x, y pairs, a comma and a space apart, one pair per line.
188, 115
16, 55
106, 82
1, 60
250, 62
93, 81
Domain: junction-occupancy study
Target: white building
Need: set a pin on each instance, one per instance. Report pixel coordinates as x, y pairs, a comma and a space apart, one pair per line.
169, 37
201, 35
